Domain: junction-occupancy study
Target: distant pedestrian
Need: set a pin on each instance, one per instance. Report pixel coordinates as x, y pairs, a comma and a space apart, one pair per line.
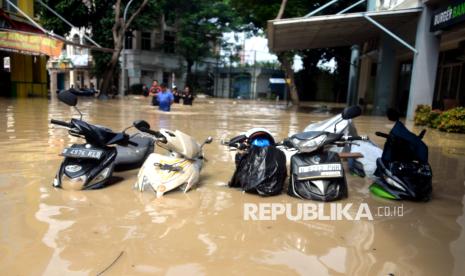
154, 90
145, 90
92, 88
176, 95
187, 97
165, 98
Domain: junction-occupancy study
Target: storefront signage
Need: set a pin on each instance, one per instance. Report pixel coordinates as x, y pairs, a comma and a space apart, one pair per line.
445, 17
34, 44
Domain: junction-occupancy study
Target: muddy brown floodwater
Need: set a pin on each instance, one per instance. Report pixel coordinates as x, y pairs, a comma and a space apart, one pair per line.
50, 231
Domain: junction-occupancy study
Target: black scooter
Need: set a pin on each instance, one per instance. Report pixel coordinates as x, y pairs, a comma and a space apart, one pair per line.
316, 172
91, 165
403, 171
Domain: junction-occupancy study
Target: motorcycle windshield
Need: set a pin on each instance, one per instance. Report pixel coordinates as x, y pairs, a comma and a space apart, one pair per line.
329, 124
308, 135
403, 145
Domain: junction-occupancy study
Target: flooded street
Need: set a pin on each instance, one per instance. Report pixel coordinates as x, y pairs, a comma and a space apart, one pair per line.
50, 231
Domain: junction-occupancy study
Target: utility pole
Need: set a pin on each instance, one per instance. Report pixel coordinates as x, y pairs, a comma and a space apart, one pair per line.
254, 80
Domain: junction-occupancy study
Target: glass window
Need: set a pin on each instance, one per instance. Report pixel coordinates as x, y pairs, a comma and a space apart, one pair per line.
8, 7
169, 42
145, 41
128, 40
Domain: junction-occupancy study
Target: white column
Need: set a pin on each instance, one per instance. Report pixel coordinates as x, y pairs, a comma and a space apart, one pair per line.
425, 64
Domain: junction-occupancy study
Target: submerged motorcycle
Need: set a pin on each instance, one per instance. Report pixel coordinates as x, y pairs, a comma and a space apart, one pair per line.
260, 166
91, 165
317, 172
403, 171
362, 166
180, 169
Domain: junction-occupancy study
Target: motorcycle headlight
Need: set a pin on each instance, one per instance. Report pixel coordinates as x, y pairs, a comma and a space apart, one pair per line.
104, 174
394, 183
310, 144
76, 183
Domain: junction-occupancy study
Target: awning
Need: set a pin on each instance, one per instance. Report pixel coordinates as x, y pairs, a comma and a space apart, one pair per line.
333, 30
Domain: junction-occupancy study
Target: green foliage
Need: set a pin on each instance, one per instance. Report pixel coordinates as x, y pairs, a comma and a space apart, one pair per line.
201, 25
452, 120
258, 12
98, 17
421, 117
434, 118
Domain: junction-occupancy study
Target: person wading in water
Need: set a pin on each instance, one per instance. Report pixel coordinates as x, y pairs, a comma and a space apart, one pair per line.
165, 98
187, 97
154, 90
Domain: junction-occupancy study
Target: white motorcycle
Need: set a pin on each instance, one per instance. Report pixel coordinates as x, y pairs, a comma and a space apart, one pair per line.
179, 169
362, 166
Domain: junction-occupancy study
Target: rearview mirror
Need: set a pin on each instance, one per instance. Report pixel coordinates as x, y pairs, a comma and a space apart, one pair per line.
141, 125
351, 112
68, 98
208, 140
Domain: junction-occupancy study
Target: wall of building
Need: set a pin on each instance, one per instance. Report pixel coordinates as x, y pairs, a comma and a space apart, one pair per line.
27, 6
28, 73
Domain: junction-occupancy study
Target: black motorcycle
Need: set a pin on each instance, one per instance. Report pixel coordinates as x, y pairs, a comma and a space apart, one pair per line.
317, 173
403, 171
91, 165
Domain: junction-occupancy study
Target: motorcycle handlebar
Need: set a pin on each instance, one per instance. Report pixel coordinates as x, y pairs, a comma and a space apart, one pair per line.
61, 123
357, 138
380, 134
132, 143
157, 134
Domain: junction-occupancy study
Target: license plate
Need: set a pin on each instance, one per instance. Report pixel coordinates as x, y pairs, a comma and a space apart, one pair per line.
82, 153
317, 171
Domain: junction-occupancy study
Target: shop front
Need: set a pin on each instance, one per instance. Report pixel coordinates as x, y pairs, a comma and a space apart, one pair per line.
406, 53
23, 56
448, 22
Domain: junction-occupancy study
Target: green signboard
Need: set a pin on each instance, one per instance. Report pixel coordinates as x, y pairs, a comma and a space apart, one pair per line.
448, 16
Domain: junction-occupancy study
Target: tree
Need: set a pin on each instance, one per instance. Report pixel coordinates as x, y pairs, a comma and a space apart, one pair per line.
200, 25
258, 12
104, 18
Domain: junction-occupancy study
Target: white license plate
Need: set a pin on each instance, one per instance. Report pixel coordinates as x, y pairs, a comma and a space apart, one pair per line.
328, 170
82, 153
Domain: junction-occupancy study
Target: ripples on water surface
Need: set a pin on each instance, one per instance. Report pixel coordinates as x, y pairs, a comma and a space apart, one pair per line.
57, 232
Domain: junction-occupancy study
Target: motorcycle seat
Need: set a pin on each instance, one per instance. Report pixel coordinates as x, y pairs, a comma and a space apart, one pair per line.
130, 156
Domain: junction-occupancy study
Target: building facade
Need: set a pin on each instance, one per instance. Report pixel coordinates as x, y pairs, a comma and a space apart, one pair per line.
23, 52
249, 83
151, 55
73, 68
404, 52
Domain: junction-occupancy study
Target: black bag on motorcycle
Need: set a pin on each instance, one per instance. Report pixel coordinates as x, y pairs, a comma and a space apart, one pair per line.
260, 170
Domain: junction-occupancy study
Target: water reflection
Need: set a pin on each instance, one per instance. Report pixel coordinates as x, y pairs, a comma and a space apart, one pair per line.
51, 231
